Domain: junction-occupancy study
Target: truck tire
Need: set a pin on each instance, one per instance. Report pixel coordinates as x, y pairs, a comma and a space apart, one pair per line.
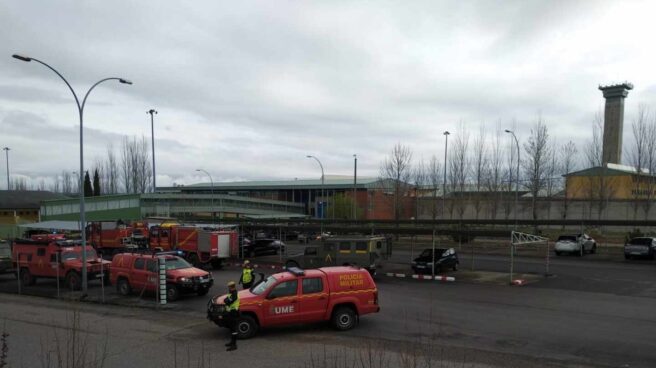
193, 259
289, 264
172, 293
73, 280
246, 327
216, 264
26, 277
343, 318
594, 248
123, 287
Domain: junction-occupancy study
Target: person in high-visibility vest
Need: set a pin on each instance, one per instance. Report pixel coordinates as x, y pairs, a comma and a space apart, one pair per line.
232, 316
246, 279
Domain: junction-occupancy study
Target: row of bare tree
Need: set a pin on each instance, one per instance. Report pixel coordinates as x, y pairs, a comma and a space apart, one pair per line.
128, 171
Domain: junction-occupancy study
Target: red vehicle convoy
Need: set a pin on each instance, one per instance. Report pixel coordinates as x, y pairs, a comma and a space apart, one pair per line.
56, 258
337, 294
136, 272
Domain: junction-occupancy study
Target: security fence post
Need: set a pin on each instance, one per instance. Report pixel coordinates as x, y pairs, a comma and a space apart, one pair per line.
162, 281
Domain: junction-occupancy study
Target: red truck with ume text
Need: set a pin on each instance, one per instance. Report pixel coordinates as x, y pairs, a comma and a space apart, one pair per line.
337, 294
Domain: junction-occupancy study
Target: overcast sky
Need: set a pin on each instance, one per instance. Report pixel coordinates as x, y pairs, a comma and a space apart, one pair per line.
247, 89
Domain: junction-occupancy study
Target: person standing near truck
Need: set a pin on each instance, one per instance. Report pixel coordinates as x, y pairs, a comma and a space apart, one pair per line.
232, 314
246, 279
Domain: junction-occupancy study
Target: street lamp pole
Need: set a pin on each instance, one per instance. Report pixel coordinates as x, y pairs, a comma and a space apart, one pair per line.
516, 176
355, 183
6, 149
212, 192
80, 109
322, 190
152, 138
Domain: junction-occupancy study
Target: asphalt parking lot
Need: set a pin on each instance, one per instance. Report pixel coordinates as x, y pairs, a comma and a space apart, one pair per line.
588, 312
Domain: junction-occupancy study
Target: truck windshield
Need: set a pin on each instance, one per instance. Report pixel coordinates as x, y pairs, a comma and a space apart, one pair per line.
264, 285
176, 263
91, 255
5, 251
571, 238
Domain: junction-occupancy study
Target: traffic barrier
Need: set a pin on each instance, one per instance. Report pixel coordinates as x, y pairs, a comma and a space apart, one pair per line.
272, 267
519, 282
422, 277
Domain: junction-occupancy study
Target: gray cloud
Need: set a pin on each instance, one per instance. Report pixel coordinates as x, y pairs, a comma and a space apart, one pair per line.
246, 90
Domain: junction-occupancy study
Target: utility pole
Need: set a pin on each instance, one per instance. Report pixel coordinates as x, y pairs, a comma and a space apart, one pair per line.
516, 176
355, 183
152, 138
6, 149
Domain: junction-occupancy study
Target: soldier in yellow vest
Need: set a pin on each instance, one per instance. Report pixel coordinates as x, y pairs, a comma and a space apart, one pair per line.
246, 279
232, 317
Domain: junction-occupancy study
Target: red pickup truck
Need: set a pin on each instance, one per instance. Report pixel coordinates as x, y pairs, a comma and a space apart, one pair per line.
296, 296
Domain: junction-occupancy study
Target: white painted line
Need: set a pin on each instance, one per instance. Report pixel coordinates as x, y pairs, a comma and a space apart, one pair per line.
399, 275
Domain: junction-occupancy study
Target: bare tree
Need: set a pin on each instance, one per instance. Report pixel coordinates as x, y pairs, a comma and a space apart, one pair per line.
494, 173
650, 186
67, 182
638, 156
434, 175
568, 159
395, 173
136, 171
480, 162
420, 179
459, 171
600, 188
111, 171
552, 184
536, 162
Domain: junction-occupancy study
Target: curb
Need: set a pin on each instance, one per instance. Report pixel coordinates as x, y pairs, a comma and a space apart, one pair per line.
271, 267
422, 277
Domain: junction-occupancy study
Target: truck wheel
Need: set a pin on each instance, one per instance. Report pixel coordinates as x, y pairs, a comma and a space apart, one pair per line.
343, 318
246, 327
289, 264
172, 293
193, 259
216, 264
557, 253
594, 248
73, 280
123, 287
26, 277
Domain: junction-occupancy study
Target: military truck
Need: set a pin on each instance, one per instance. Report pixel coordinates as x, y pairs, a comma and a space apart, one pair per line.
364, 251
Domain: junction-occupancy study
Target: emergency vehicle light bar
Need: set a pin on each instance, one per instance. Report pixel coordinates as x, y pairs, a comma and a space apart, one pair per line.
296, 271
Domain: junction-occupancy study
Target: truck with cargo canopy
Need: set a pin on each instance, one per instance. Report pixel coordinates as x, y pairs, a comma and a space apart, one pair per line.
364, 251
35, 259
198, 244
336, 294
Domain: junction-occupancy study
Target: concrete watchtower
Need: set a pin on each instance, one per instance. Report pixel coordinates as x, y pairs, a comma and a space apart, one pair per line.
614, 121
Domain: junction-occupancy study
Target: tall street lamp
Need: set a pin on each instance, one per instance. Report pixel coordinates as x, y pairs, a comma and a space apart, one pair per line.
322, 190
446, 145
6, 149
212, 191
355, 183
80, 109
516, 176
152, 137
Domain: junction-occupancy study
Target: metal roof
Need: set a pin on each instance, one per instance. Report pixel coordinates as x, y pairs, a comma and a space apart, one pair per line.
609, 170
54, 224
24, 199
330, 181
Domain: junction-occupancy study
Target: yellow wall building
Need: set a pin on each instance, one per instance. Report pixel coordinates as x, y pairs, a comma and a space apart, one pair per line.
612, 182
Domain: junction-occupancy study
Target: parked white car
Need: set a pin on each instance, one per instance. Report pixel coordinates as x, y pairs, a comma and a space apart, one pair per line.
575, 244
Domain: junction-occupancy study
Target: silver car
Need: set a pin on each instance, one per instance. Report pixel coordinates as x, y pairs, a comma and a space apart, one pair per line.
642, 247
575, 244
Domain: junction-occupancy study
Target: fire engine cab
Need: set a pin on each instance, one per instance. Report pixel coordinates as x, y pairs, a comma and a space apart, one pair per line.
337, 294
56, 259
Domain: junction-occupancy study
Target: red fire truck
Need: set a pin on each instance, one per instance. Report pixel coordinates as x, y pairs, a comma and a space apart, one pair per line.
56, 259
116, 236
199, 245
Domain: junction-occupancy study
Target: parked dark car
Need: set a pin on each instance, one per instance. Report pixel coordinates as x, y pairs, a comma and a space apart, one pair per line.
261, 247
641, 247
445, 259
